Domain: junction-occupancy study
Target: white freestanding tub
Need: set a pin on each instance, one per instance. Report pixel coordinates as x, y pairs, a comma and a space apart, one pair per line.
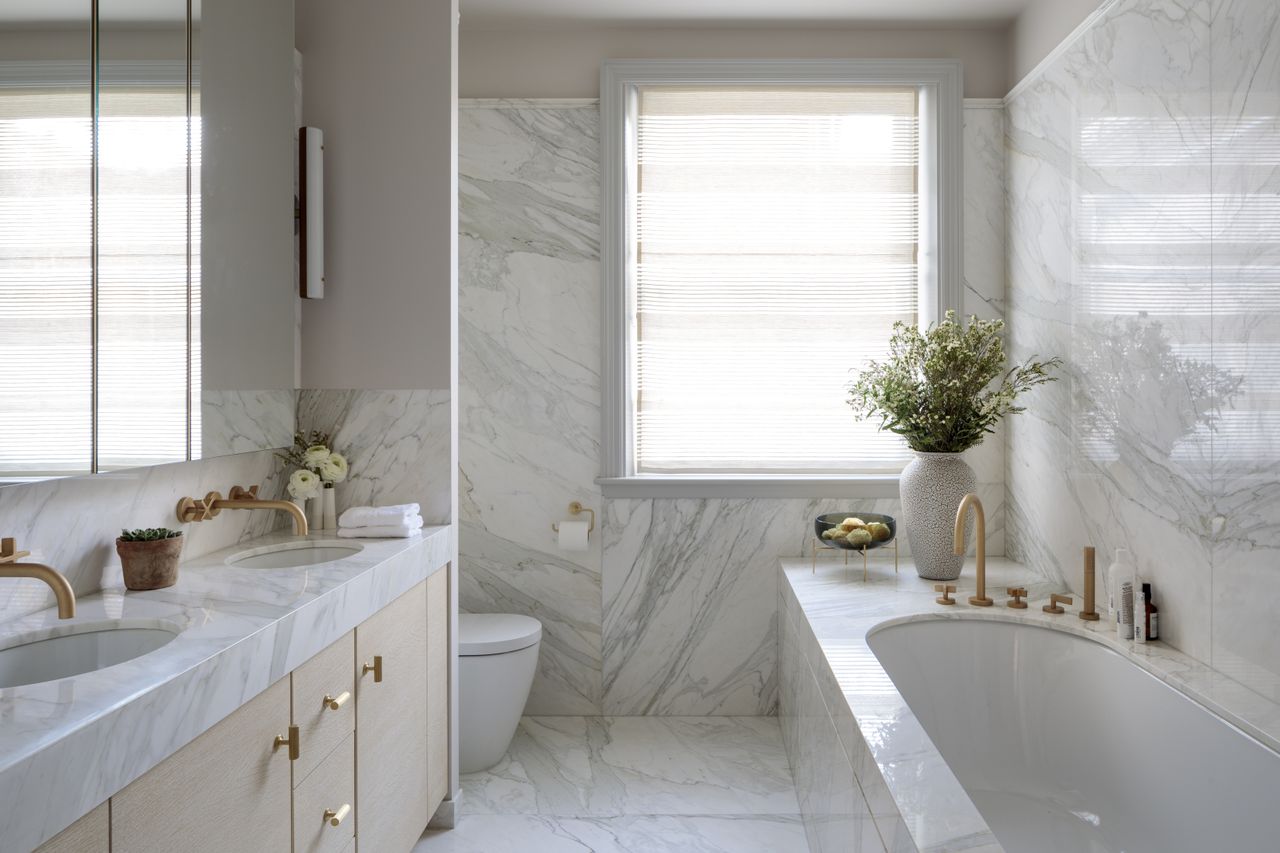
1065, 746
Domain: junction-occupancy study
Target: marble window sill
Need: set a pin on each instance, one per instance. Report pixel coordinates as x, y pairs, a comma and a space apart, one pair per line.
699, 486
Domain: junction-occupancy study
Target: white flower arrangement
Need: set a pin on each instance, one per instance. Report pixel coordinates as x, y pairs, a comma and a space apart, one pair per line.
317, 465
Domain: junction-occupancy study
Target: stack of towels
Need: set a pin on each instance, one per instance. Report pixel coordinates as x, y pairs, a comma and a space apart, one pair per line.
380, 522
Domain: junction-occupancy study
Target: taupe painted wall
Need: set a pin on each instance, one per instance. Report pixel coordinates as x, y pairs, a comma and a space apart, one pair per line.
379, 79
1041, 27
566, 63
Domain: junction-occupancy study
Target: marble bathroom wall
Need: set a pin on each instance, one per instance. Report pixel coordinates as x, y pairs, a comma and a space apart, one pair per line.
396, 442
1141, 180
673, 608
72, 523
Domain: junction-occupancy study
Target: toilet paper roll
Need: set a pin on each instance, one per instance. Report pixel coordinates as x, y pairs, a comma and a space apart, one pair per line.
573, 535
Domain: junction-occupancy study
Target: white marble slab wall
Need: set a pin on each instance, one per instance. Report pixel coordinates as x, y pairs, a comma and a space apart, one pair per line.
673, 609
396, 442
71, 523
244, 421
1141, 184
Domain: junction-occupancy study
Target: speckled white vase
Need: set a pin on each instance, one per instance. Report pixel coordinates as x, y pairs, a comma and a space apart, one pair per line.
932, 486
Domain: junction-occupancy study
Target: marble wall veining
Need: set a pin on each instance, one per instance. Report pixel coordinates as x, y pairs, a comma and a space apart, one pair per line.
396, 443
672, 609
71, 523
1141, 174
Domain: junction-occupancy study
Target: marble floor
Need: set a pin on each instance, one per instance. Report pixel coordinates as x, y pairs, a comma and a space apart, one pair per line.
632, 785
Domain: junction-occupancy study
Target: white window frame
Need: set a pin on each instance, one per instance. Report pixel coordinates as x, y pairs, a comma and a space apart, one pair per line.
940, 83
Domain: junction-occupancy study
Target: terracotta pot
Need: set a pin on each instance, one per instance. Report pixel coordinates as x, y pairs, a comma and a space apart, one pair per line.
150, 565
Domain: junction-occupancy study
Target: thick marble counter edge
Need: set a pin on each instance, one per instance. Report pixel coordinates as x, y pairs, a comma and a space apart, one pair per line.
68, 745
834, 612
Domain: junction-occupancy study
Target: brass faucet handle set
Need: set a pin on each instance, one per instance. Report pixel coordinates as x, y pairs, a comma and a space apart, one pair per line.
202, 509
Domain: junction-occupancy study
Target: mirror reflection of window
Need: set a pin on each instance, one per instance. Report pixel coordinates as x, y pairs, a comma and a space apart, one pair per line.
143, 223
46, 306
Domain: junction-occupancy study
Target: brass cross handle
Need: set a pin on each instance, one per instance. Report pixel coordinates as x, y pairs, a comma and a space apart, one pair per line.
946, 589
1018, 593
1055, 603
9, 552
195, 509
241, 494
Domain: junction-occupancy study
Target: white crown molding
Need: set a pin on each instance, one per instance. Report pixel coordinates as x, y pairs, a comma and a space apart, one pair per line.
1054, 55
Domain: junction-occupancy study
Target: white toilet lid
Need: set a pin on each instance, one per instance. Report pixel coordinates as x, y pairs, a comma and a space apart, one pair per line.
495, 633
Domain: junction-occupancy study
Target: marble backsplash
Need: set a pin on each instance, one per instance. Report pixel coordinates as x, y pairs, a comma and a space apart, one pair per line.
1142, 177
72, 523
673, 607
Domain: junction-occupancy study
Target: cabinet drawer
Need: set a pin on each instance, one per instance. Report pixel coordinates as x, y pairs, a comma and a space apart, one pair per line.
322, 727
90, 834
330, 786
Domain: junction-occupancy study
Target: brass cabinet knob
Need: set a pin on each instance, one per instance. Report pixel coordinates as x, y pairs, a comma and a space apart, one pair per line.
333, 703
375, 668
1055, 603
946, 589
293, 741
335, 818
1018, 593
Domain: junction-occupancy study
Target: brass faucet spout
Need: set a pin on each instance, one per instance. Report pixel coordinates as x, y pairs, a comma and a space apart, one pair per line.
191, 509
971, 500
299, 519
61, 587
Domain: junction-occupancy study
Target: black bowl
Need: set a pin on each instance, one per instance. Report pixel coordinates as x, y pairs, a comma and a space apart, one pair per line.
832, 519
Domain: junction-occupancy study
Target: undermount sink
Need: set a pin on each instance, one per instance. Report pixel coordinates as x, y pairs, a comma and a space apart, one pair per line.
293, 555
49, 656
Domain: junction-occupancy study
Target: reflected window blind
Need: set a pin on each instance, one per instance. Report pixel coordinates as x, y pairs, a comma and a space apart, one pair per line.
46, 142
775, 245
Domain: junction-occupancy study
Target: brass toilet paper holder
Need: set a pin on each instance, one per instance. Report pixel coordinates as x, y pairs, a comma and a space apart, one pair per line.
576, 508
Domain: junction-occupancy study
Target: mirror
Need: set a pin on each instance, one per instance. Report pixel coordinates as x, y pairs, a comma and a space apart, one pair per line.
147, 296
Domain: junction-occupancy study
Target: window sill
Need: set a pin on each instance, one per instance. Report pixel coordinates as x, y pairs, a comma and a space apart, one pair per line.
701, 486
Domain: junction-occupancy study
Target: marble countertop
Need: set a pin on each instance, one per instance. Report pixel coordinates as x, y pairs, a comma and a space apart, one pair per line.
68, 745
934, 808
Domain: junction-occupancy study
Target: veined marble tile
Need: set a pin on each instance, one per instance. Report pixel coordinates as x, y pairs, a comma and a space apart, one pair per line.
71, 523
754, 833
529, 398
245, 421
397, 444
614, 766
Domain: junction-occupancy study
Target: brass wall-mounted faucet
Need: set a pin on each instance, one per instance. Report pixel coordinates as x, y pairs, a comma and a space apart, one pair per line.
193, 509
971, 500
11, 568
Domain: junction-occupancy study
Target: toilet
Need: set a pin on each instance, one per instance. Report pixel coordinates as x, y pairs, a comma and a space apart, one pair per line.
498, 654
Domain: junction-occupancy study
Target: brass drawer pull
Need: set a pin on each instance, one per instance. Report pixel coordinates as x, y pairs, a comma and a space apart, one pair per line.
335, 818
375, 668
333, 703
293, 741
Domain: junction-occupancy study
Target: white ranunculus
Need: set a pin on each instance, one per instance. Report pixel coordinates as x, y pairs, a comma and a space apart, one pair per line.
314, 456
303, 484
334, 469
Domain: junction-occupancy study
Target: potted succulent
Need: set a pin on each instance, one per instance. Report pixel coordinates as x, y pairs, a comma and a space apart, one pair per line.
149, 557
942, 389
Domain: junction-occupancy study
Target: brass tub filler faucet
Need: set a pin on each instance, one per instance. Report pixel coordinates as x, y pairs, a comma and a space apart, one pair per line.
971, 500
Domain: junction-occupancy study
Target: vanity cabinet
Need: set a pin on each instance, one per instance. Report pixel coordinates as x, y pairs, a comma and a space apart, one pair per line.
228, 789
369, 717
391, 733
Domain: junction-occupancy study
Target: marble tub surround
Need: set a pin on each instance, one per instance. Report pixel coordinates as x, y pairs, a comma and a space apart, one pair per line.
72, 523
617, 784
1160, 437
834, 687
396, 443
67, 745
672, 610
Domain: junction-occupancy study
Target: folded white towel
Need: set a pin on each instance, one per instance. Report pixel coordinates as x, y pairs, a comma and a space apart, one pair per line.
386, 531
378, 516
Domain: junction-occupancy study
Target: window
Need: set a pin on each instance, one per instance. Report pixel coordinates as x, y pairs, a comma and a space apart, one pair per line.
765, 226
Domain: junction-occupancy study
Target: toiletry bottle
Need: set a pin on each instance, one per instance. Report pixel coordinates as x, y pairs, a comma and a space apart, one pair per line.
1141, 590
1120, 580
1153, 613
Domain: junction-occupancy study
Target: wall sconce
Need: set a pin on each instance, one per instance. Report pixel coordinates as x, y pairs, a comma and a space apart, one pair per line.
311, 213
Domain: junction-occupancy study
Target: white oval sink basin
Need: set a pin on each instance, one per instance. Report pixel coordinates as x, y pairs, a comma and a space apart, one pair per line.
293, 555
38, 657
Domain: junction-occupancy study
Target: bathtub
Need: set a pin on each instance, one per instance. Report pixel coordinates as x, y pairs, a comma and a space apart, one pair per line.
1066, 746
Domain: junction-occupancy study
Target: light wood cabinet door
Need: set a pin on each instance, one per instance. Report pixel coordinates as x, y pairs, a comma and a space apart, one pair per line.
226, 790
326, 680
391, 726
90, 834
328, 794
437, 689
